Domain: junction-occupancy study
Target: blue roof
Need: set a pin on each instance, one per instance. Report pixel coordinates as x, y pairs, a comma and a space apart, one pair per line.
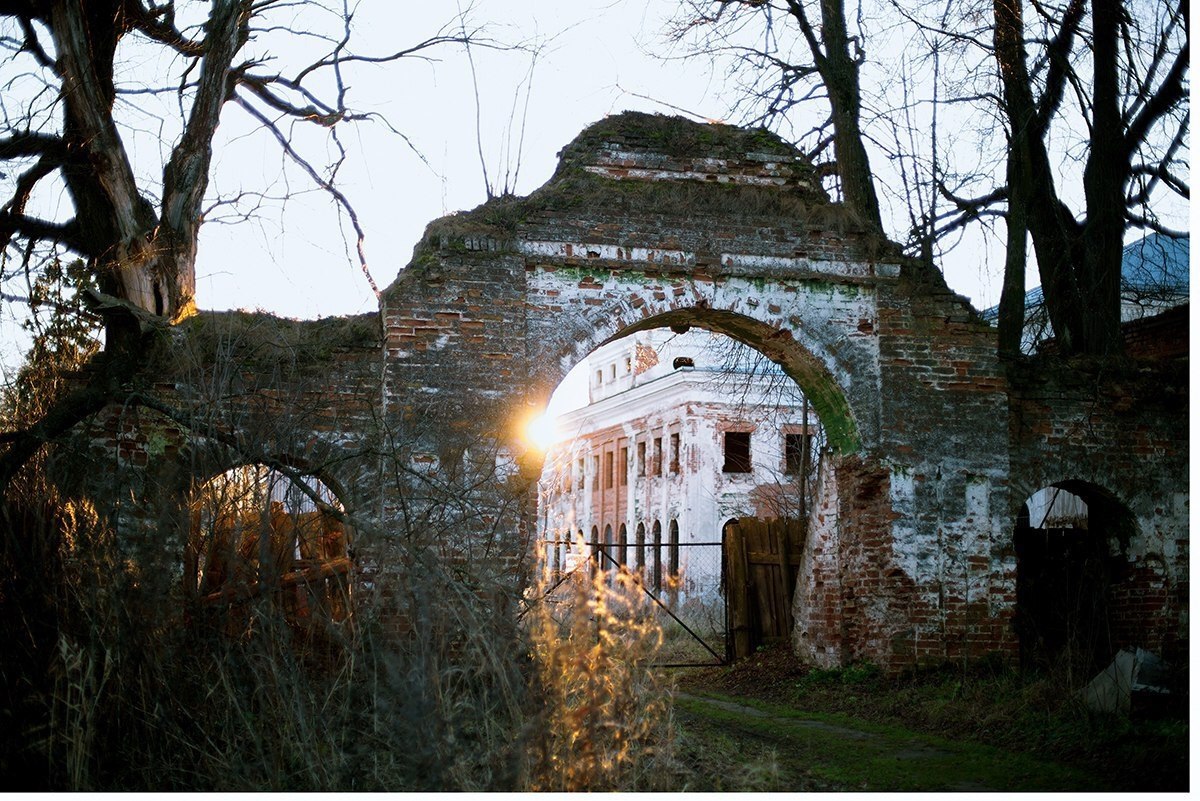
1156, 263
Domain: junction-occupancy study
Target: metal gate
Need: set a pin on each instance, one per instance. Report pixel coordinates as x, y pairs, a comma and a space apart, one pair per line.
682, 583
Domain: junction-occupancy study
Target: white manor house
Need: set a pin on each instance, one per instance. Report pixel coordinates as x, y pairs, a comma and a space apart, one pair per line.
682, 433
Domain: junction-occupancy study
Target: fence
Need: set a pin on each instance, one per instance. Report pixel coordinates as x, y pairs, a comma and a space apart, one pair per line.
682, 581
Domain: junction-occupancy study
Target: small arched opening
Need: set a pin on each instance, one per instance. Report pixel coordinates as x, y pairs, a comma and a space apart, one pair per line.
1069, 541
259, 537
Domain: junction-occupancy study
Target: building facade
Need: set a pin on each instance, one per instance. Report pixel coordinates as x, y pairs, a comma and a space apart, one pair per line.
682, 432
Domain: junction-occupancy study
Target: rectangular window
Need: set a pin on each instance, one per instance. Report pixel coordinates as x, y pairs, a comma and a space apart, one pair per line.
628, 365
658, 456
737, 452
608, 470
675, 453
612, 372
599, 377
641, 458
579, 475
595, 472
623, 467
794, 446
567, 480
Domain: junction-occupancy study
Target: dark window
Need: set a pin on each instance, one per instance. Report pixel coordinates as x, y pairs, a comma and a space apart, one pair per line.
606, 560
595, 472
639, 548
622, 545
737, 452
623, 467
658, 456
673, 549
674, 453
656, 557
794, 446
641, 457
580, 482
608, 470
595, 548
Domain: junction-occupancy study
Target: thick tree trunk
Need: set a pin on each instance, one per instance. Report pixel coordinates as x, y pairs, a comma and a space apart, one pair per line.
1104, 180
839, 71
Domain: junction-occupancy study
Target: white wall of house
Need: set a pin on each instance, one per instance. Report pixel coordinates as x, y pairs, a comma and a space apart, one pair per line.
640, 395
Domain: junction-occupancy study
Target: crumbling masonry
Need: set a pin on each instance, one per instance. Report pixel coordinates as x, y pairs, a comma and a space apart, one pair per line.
412, 415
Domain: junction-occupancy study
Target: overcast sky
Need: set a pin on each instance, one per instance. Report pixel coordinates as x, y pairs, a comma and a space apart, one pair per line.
597, 57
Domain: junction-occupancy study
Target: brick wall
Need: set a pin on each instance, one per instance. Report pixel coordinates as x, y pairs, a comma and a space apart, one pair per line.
654, 222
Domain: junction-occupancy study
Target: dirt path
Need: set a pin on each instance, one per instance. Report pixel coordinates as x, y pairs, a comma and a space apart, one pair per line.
738, 744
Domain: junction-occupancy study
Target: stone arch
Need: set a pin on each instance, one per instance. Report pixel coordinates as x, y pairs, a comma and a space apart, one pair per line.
811, 362
256, 533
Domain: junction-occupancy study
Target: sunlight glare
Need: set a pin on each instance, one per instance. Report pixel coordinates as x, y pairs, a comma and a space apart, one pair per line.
542, 431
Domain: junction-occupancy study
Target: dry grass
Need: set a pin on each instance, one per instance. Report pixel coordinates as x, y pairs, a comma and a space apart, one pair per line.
607, 720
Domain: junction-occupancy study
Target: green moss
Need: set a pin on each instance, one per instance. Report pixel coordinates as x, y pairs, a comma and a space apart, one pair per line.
258, 339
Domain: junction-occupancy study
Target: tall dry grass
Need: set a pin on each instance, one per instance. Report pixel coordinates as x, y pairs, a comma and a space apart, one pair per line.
606, 721
108, 684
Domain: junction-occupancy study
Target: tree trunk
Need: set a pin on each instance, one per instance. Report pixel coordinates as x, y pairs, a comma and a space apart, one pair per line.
839, 71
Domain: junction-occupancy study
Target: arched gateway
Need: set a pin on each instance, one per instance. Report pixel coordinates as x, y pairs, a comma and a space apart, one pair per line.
653, 221
413, 416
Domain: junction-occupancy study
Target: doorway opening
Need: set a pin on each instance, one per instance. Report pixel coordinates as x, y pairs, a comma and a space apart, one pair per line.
1068, 541
669, 434
258, 538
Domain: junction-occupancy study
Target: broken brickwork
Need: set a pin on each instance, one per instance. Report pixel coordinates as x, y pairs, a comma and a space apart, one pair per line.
650, 222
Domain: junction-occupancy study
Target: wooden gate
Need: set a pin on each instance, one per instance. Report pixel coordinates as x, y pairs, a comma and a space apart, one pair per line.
761, 558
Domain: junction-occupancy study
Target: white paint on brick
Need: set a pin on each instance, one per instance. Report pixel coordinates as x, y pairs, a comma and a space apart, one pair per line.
593, 250
798, 265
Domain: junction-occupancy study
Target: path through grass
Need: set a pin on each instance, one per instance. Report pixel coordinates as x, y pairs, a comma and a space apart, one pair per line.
753, 745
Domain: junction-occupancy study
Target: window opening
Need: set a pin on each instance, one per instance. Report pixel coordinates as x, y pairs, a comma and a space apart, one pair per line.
673, 549
737, 452
656, 556
675, 453
794, 447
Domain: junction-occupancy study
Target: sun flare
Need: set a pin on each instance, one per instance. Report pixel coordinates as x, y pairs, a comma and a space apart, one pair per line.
542, 431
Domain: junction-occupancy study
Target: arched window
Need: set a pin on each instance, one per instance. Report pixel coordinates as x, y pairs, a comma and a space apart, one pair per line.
673, 549
257, 534
623, 546
595, 543
639, 548
607, 563
656, 570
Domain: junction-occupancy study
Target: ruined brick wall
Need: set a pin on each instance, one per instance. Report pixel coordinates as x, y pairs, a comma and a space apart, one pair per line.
1121, 432
230, 389
652, 222
415, 415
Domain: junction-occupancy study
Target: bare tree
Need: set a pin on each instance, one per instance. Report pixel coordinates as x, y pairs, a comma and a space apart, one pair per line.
827, 68
1089, 102
83, 77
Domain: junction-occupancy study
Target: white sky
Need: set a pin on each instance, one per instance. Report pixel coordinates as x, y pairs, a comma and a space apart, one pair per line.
601, 57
